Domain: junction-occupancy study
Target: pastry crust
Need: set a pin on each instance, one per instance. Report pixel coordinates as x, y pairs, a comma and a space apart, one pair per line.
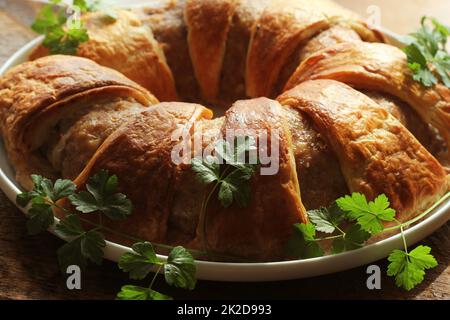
69, 117
382, 68
376, 152
283, 25
128, 46
139, 153
260, 230
166, 19
208, 24
245, 16
33, 88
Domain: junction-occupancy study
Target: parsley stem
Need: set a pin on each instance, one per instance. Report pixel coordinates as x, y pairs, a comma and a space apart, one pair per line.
202, 216
425, 213
155, 276
404, 239
330, 237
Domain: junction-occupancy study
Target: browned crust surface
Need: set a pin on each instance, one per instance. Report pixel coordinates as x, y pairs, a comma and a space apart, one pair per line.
32, 87
382, 68
283, 25
208, 24
376, 152
129, 47
260, 230
139, 153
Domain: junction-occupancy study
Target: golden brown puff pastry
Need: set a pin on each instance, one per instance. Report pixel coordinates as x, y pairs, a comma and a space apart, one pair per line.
376, 152
426, 135
83, 128
338, 33
140, 154
34, 96
128, 46
188, 191
208, 24
166, 19
382, 68
260, 230
282, 27
319, 174
232, 85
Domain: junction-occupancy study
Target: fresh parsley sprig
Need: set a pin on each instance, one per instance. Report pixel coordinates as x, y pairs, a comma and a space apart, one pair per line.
179, 271
228, 174
101, 198
427, 53
362, 219
85, 245
61, 37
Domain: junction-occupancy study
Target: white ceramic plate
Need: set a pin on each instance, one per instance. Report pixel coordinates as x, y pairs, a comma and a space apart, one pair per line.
255, 271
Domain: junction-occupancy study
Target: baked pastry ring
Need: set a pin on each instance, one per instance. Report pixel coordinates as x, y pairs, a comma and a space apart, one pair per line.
350, 118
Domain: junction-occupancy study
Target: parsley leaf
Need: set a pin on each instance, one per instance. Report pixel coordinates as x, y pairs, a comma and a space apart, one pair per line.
86, 5
101, 196
326, 219
180, 270
427, 53
139, 264
409, 268
236, 155
40, 216
354, 238
69, 227
369, 215
129, 292
44, 187
60, 37
234, 187
88, 246
302, 242
206, 171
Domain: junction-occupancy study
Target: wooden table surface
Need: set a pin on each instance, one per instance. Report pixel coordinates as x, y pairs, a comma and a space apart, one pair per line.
28, 265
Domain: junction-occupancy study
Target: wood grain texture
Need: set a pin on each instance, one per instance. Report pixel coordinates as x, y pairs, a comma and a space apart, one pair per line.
29, 268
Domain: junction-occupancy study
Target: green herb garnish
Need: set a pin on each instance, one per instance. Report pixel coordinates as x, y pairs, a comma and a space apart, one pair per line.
85, 245
61, 37
427, 53
228, 173
101, 196
179, 271
350, 221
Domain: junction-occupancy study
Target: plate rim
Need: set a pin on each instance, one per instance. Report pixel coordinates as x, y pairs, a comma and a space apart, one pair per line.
258, 271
